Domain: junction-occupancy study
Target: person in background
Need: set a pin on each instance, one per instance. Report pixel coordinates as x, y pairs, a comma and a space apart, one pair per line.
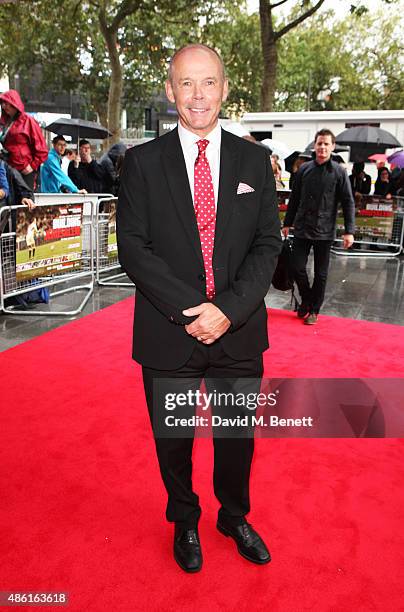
19, 191
361, 182
320, 187
300, 160
85, 172
383, 185
395, 174
68, 156
250, 138
398, 183
13, 191
4, 185
109, 164
277, 170
53, 179
21, 137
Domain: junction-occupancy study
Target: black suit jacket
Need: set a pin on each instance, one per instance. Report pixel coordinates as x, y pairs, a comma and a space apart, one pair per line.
159, 248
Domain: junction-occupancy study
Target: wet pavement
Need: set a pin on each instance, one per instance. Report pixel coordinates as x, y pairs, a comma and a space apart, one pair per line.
358, 288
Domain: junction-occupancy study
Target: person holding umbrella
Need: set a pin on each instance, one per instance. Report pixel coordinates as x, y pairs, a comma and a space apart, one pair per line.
85, 172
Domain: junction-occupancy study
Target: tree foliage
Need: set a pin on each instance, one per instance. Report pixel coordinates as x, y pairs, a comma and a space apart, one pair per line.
275, 32
323, 63
348, 64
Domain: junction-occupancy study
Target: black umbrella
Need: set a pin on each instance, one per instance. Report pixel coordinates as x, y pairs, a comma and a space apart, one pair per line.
367, 135
307, 155
78, 128
290, 160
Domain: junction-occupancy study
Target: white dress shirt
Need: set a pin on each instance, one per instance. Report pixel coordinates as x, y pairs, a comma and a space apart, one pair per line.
190, 150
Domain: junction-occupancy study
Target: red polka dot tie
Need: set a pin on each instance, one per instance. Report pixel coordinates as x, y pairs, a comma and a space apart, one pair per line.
204, 202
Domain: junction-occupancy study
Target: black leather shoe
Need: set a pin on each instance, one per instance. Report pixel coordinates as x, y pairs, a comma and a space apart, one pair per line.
302, 311
187, 549
249, 544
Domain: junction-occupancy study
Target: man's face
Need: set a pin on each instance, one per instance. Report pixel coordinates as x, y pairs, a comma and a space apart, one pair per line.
60, 146
323, 148
198, 90
85, 150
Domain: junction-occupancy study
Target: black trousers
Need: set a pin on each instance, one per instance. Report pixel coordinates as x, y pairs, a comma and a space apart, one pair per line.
312, 297
232, 455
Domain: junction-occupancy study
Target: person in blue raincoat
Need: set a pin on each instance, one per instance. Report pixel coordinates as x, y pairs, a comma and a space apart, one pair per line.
53, 179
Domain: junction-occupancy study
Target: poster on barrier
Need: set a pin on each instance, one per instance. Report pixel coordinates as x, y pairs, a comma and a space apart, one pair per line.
110, 241
371, 223
48, 241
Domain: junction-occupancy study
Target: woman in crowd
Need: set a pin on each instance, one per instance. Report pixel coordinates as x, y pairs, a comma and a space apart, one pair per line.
21, 137
277, 170
383, 185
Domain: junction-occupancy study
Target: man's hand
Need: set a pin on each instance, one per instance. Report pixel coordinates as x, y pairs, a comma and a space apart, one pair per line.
28, 202
27, 170
285, 231
76, 160
348, 240
82, 191
210, 324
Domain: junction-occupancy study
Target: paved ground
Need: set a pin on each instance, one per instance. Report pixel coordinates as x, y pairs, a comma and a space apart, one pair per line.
358, 288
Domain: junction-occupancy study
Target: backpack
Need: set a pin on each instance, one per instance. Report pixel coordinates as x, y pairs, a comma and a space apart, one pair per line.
26, 300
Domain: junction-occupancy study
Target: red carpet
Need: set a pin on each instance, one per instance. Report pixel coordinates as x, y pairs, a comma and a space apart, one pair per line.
83, 507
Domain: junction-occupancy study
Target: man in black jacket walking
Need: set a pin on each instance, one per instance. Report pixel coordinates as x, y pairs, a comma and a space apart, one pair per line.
320, 186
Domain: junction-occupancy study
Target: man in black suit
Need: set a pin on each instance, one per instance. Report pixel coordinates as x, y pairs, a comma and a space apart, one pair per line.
199, 234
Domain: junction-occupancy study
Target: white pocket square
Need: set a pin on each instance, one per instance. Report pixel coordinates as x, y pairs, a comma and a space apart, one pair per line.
244, 188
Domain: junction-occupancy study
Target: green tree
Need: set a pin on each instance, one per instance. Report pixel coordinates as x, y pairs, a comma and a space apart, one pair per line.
275, 44
270, 38
323, 63
94, 46
236, 36
358, 67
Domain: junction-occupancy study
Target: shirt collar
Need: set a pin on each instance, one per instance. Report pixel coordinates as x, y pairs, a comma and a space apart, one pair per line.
326, 164
188, 139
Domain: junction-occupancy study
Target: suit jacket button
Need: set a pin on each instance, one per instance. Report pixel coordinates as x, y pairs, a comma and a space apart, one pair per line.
202, 277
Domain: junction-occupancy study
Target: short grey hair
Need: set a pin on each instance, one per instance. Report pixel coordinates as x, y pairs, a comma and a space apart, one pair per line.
195, 46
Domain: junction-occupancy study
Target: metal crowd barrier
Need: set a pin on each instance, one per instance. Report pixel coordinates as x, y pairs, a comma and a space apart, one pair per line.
107, 267
379, 226
11, 287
